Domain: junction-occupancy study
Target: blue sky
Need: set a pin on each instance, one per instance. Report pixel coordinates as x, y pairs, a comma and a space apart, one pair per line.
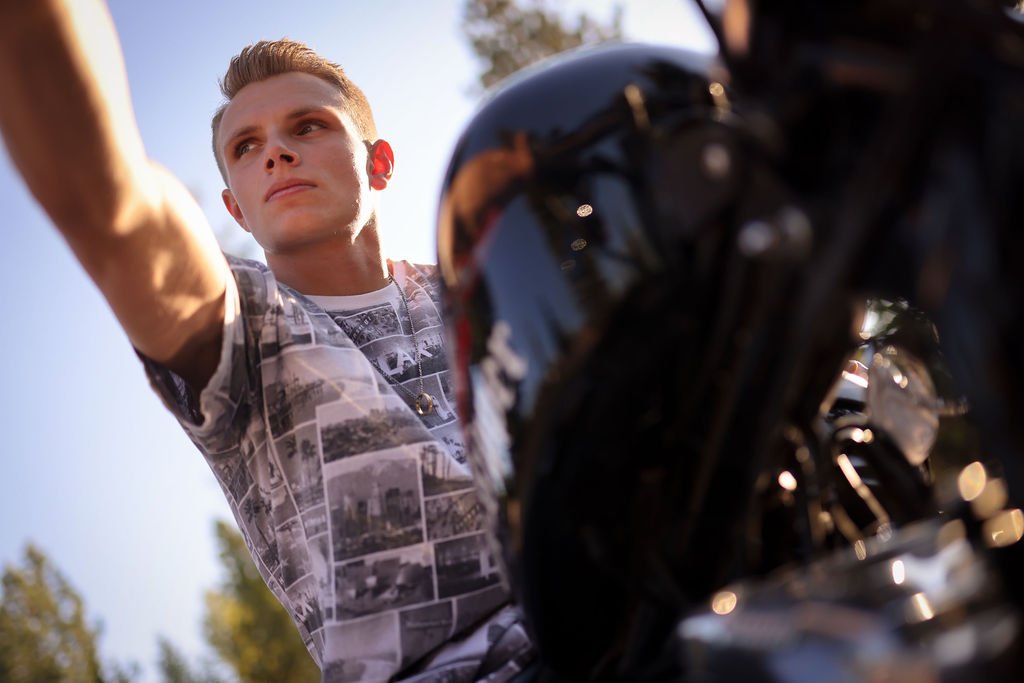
94, 470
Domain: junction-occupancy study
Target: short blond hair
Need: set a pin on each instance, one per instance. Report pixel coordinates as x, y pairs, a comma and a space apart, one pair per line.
266, 58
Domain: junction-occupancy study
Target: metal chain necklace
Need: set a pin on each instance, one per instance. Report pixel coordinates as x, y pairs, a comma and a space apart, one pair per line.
424, 402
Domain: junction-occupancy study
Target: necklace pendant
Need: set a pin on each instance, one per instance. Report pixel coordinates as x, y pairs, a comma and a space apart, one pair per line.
424, 403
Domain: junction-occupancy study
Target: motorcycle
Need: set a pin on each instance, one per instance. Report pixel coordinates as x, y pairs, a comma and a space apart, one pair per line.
733, 343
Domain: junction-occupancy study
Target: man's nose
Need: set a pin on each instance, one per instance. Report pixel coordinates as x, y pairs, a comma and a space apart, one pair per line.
278, 153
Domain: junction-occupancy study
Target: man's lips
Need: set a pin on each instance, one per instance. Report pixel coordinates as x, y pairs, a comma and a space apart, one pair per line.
287, 187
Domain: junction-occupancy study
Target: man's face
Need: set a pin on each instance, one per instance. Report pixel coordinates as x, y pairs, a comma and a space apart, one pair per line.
297, 168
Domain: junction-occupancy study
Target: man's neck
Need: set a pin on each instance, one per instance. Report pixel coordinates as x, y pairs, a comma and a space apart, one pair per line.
333, 269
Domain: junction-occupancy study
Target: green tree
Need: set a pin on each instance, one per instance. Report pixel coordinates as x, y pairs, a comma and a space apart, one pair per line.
247, 627
507, 35
174, 668
44, 634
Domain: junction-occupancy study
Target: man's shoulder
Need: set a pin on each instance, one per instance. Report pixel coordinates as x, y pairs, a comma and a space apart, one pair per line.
425, 273
258, 290
239, 262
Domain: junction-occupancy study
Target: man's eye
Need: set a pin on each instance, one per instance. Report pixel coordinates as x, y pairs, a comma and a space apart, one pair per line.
242, 148
309, 127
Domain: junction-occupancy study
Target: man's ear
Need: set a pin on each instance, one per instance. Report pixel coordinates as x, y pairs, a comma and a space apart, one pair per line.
380, 164
232, 206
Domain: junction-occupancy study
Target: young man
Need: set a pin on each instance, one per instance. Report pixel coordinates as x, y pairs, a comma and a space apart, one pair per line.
317, 388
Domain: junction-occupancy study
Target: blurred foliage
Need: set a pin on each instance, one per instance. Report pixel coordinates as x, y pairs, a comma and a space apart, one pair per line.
174, 667
507, 35
246, 625
44, 634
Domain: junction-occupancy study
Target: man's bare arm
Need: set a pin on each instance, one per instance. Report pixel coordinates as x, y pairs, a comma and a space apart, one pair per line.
68, 124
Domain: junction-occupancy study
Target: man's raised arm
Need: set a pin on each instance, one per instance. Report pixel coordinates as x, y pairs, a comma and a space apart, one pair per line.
68, 124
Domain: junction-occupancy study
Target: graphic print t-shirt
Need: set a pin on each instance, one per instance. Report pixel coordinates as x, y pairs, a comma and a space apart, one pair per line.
360, 514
